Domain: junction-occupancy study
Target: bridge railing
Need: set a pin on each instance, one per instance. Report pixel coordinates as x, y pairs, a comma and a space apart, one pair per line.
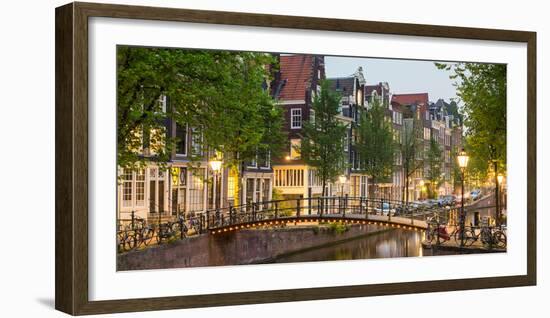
319, 207
134, 232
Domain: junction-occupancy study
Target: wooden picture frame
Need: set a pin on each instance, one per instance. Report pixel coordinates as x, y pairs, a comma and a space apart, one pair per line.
71, 221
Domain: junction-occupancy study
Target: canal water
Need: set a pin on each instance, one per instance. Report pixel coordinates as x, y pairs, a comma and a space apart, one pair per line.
387, 244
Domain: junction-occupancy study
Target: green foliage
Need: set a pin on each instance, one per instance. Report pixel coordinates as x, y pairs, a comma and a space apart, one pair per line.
375, 143
323, 139
338, 227
452, 109
221, 94
411, 144
315, 229
286, 208
433, 160
482, 89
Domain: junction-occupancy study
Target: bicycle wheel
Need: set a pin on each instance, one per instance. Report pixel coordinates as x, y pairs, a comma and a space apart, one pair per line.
457, 237
430, 235
469, 237
440, 239
500, 239
130, 241
487, 239
147, 236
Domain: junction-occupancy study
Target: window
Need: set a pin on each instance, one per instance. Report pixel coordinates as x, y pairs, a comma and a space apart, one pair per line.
265, 192
313, 178
296, 118
289, 178
346, 141
127, 187
295, 148
427, 133
181, 136
257, 195
363, 186
179, 187
398, 118
163, 103
154, 140
197, 142
231, 183
140, 187
397, 158
354, 186
249, 191
264, 159
196, 191
253, 163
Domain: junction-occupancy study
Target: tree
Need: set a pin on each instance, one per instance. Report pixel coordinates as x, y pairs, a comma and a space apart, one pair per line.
452, 109
322, 145
433, 161
411, 148
222, 95
482, 89
375, 143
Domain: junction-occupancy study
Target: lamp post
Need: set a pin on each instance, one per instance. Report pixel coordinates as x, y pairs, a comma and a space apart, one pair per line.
462, 163
216, 166
342, 180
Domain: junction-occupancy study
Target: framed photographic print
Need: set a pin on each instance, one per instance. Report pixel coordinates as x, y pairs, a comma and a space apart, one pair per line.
267, 158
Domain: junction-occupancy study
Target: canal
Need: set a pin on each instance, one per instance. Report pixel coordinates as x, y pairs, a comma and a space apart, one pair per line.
387, 244
280, 245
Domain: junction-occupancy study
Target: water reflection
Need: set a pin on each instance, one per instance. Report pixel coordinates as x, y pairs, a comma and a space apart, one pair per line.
394, 243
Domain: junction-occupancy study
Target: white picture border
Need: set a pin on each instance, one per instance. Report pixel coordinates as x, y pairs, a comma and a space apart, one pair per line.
106, 283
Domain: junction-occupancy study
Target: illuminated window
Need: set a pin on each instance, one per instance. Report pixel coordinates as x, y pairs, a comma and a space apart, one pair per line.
295, 148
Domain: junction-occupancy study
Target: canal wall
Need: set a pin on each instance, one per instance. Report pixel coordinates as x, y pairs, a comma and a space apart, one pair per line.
240, 247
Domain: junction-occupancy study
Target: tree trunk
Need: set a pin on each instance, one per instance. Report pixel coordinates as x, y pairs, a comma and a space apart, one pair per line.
323, 194
497, 203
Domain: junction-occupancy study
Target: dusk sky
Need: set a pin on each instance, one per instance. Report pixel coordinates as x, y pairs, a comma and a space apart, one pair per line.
403, 76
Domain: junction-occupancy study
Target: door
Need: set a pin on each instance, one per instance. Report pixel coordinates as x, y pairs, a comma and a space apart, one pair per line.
152, 196
161, 196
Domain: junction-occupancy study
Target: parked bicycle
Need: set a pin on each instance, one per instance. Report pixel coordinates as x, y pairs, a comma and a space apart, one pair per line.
489, 237
135, 235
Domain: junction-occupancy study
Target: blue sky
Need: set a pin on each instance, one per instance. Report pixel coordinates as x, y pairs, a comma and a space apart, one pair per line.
403, 76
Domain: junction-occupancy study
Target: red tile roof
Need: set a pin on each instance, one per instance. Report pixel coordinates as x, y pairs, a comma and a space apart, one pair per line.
409, 99
297, 70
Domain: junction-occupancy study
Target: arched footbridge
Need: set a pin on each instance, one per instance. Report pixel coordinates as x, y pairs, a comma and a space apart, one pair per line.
136, 233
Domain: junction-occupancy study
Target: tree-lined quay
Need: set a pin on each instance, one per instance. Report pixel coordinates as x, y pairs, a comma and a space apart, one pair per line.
213, 141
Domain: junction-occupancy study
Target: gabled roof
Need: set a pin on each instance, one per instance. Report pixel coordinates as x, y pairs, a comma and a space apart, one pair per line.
373, 88
378, 88
409, 99
296, 75
342, 84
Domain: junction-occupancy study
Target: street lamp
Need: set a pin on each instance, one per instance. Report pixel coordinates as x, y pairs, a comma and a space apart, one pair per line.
342, 180
462, 163
216, 166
